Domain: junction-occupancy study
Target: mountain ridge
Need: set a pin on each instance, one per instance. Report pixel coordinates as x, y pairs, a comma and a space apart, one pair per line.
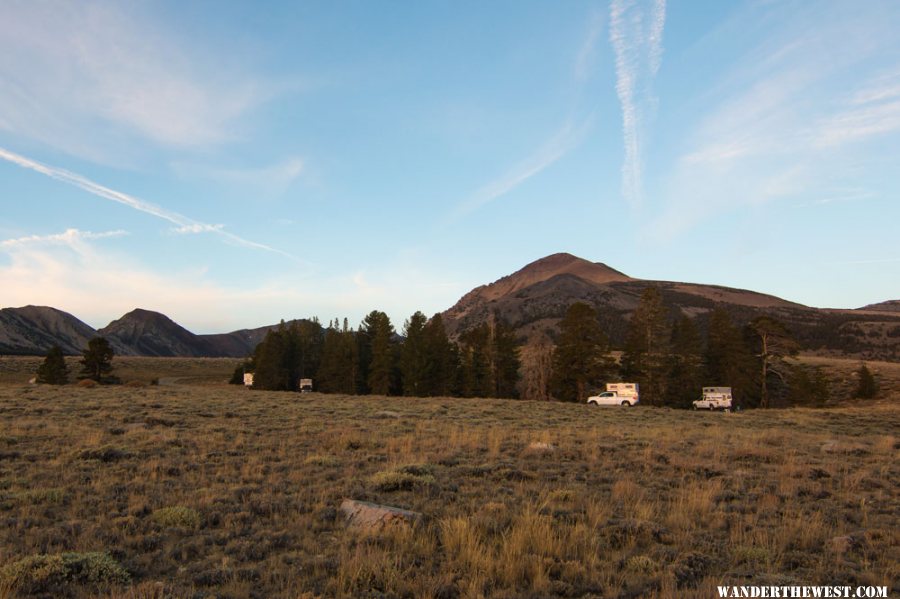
532, 299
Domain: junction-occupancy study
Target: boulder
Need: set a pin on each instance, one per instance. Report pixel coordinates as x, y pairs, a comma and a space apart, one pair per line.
373, 517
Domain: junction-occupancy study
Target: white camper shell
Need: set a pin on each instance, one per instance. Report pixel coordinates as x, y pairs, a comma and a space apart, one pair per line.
714, 398
248, 379
305, 386
617, 394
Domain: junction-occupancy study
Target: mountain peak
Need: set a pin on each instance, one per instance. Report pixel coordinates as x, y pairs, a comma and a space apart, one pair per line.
153, 334
551, 266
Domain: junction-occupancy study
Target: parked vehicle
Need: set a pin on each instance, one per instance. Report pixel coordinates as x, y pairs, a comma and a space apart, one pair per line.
248, 379
306, 386
714, 398
617, 394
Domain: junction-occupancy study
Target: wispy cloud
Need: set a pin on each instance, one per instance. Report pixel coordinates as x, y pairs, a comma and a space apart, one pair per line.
560, 144
71, 238
783, 123
85, 78
183, 223
273, 178
72, 272
566, 138
872, 111
636, 32
584, 61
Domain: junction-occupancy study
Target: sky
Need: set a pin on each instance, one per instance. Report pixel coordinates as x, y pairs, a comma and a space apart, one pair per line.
232, 164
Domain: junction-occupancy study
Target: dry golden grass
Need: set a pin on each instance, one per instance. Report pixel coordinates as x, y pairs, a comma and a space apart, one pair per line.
220, 491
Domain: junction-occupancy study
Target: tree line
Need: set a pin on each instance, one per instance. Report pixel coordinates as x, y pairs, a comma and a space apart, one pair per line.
375, 359
668, 357
664, 352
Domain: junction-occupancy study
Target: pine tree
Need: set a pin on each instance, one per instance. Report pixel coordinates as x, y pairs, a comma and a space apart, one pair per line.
337, 370
646, 351
440, 359
580, 360
774, 343
380, 373
272, 362
685, 370
413, 358
477, 363
867, 386
53, 371
96, 360
505, 360
808, 385
729, 361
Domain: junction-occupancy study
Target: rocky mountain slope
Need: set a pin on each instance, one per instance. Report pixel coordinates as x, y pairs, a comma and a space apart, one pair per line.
147, 333
535, 298
33, 329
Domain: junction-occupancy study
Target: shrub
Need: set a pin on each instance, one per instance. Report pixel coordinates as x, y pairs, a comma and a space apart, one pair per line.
867, 387
105, 454
49, 573
404, 478
322, 460
87, 383
177, 517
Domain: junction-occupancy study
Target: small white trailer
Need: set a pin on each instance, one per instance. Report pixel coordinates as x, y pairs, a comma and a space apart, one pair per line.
248, 379
714, 398
617, 394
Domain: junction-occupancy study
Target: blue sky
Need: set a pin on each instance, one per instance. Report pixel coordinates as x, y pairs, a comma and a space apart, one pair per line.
231, 166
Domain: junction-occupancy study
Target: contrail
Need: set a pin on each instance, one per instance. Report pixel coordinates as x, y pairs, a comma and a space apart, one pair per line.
638, 49
184, 223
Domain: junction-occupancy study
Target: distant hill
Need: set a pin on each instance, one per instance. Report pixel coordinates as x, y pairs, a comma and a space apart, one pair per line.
888, 306
535, 298
148, 333
34, 329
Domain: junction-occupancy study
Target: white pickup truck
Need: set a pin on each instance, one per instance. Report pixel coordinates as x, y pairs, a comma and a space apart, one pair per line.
714, 398
617, 394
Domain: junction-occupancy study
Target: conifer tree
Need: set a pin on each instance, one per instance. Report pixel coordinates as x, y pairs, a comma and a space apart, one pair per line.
506, 361
729, 361
581, 359
867, 386
379, 332
774, 344
337, 371
478, 376
808, 385
96, 360
53, 371
272, 362
440, 365
413, 358
646, 350
685, 370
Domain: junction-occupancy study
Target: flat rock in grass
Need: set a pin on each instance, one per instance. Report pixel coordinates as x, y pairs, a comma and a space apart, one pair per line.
540, 447
368, 516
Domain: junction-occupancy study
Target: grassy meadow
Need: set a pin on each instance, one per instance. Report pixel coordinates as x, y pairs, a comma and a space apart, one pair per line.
199, 489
